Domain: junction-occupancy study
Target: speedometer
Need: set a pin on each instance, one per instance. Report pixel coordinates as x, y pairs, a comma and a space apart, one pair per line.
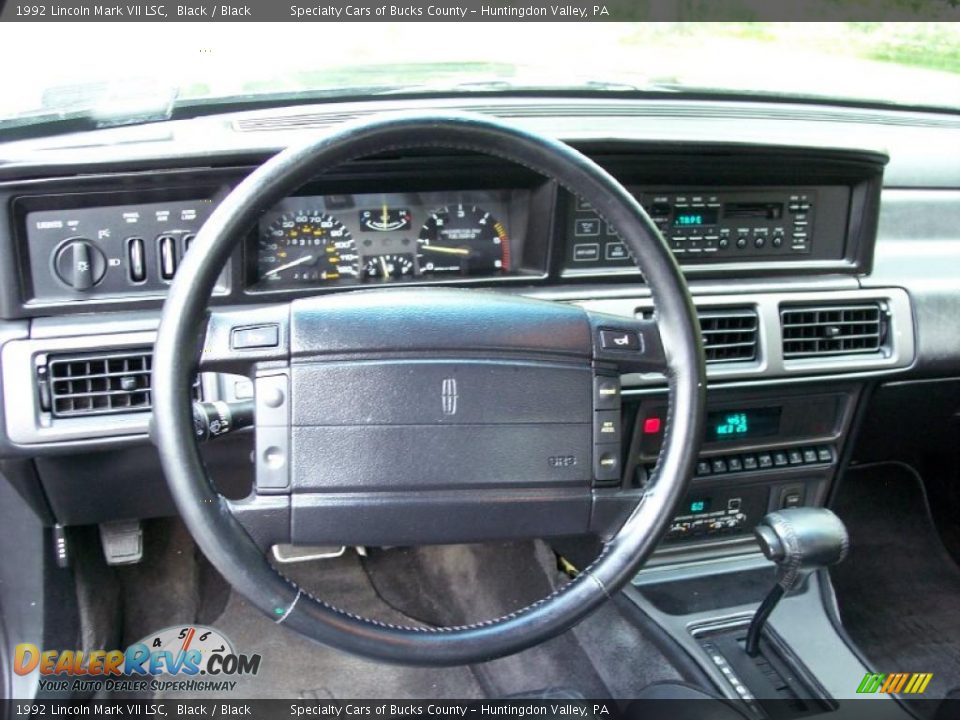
465, 240
307, 247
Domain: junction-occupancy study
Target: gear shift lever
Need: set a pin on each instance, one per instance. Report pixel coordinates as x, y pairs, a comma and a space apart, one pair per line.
799, 541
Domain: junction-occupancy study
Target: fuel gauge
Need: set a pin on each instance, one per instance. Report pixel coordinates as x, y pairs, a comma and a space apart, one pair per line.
385, 219
388, 267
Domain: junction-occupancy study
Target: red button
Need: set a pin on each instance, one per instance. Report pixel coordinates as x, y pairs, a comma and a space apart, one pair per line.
651, 425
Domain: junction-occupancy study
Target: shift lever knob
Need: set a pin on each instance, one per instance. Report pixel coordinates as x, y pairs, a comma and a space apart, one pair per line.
799, 541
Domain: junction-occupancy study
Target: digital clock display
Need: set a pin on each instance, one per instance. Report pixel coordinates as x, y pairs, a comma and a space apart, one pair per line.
695, 218
736, 424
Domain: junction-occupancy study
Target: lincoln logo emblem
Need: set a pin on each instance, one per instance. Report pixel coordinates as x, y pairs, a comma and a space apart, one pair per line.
449, 396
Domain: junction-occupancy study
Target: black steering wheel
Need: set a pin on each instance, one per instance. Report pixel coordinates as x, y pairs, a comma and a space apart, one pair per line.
414, 415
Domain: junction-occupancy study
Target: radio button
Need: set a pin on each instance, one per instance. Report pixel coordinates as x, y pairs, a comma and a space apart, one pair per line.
824, 454
749, 462
795, 457
765, 460
780, 459
703, 468
809, 455
734, 464
718, 465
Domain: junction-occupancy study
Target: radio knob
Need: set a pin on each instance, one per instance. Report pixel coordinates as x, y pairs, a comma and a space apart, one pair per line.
79, 264
759, 241
742, 242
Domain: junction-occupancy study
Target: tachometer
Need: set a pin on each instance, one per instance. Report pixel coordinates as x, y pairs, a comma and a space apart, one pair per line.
307, 246
463, 240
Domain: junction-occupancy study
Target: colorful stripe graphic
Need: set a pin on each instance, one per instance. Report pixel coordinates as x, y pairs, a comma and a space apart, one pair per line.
894, 683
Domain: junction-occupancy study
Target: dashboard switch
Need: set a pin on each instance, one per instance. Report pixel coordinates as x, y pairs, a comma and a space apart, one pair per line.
79, 264
135, 260
168, 256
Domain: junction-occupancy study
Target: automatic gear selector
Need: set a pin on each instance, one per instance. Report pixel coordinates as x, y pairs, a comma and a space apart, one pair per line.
800, 541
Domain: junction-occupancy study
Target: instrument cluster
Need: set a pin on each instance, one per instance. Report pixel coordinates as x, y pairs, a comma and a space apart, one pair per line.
391, 237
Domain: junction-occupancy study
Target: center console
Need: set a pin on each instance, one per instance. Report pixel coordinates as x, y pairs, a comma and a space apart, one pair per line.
762, 450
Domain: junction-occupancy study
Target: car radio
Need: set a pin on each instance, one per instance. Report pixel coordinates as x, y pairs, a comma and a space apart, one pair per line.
714, 225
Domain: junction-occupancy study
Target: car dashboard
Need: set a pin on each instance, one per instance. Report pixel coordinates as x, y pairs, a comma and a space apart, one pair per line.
792, 245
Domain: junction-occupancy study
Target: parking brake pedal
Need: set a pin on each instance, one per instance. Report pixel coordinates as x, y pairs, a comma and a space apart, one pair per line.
122, 542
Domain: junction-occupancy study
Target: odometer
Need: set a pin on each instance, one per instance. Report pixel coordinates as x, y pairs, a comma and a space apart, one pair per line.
307, 247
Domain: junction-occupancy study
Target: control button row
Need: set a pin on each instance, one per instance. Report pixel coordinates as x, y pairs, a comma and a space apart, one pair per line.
746, 462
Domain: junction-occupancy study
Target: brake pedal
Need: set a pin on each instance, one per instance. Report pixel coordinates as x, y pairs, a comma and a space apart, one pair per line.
122, 542
286, 553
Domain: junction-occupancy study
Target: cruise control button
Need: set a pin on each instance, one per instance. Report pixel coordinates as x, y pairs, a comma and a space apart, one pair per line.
606, 393
619, 340
606, 462
606, 426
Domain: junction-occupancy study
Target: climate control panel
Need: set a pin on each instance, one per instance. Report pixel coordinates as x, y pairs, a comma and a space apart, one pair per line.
115, 251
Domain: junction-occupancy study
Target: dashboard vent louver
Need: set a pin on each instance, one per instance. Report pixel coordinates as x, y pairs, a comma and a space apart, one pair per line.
107, 383
729, 334
99, 384
818, 330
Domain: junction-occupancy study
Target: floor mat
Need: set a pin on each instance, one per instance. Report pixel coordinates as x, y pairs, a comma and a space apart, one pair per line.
294, 667
604, 656
899, 590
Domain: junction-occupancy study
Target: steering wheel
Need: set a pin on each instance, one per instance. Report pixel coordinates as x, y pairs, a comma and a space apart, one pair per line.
405, 416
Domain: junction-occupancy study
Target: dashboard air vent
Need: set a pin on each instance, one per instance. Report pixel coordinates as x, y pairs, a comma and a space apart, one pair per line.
99, 384
729, 334
814, 331
104, 383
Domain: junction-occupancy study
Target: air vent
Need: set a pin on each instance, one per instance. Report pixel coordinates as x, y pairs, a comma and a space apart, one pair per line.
729, 335
98, 383
815, 331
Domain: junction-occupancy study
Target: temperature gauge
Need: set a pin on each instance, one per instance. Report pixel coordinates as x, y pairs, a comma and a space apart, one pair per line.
385, 219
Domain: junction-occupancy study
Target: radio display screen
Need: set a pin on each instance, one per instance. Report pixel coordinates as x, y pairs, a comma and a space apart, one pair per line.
695, 218
734, 424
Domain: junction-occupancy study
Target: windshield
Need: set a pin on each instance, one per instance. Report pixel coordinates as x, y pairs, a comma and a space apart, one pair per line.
130, 72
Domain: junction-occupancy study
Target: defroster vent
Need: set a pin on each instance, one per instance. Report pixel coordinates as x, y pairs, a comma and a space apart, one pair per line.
814, 331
